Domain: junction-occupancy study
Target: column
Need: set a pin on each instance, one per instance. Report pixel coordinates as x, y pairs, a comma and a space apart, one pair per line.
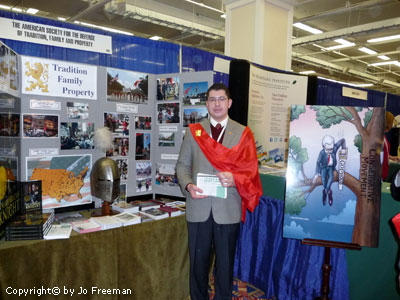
260, 31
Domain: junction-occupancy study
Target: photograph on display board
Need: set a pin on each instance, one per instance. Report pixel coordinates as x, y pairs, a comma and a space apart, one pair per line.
143, 122
168, 88
166, 139
10, 165
168, 113
117, 123
195, 93
166, 175
121, 147
77, 135
13, 70
77, 110
194, 115
9, 125
65, 179
122, 192
122, 164
4, 64
333, 179
143, 177
127, 86
36, 125
142, 146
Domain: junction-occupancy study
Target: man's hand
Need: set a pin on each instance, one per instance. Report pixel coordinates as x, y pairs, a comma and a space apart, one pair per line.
193, 189
226, 179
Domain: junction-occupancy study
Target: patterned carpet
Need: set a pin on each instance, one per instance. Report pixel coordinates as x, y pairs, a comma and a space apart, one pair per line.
241, 291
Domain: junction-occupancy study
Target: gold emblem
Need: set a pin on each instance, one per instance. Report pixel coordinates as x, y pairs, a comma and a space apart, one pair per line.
198, 132
40, 74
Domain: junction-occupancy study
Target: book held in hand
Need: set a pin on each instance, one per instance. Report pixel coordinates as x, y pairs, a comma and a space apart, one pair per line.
210, 185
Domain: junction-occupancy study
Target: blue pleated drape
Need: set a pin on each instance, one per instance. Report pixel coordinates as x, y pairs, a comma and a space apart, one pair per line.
282, 267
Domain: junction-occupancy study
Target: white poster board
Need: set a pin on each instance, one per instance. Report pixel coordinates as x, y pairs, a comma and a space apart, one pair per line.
270, 97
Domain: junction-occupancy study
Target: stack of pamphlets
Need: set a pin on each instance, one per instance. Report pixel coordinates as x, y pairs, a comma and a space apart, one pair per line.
127, 219
107, 222
85, 226
58, 231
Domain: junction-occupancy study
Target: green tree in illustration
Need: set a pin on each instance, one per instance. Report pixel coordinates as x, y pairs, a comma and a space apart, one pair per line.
296, 111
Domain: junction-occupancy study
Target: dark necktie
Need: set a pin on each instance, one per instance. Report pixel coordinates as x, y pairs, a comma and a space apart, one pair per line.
215, 132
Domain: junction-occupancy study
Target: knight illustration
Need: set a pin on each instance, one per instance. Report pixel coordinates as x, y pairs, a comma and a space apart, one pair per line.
326, 165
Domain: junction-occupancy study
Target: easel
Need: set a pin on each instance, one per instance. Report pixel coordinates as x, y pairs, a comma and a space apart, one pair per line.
326, 267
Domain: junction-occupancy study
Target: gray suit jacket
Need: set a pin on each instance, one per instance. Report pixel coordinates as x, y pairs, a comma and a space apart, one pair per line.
191, 162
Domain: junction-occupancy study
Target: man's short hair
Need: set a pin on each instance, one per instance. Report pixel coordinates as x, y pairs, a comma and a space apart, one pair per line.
217, 87
327, 139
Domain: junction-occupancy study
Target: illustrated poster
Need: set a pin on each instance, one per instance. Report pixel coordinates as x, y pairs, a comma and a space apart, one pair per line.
333, 179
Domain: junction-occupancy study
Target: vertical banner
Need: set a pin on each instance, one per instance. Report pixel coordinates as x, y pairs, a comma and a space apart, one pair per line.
55, 78
270, 97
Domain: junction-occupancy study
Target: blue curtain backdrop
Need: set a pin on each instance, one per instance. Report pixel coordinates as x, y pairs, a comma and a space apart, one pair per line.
194, 60
128, 52
330, 93
283, 267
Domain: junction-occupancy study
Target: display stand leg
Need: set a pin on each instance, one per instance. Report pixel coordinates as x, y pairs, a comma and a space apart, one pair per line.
326, 270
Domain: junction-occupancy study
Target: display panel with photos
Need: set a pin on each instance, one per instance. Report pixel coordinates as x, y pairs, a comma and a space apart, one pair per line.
143, 177
77, 135
4, 66
77, 110
117, 123
143, 143
122, 164
166, 175
65, 179
194, 115
127, 86
166, 139
168, 113
9, 125
143, 122
195, 93
121, 147
36, 125
168, 88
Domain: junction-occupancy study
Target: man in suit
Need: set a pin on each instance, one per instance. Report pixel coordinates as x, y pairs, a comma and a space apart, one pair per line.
212, 221
326, 164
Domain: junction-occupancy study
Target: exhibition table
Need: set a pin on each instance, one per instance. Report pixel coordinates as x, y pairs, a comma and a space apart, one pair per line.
149, 259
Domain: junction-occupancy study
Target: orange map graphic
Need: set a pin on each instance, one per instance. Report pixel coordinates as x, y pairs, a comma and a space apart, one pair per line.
58, 183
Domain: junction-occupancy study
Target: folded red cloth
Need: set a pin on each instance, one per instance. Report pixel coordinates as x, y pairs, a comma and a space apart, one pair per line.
396, 222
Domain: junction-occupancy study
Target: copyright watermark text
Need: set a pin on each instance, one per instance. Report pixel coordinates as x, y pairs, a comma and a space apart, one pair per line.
55, 291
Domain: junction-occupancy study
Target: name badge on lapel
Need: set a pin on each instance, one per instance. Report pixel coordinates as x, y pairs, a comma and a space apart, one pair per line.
198, 132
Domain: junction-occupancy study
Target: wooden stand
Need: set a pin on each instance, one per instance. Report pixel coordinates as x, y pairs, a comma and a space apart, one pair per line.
106, 210
326, 267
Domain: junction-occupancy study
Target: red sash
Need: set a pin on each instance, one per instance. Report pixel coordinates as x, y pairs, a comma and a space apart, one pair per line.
396, 222
241, 160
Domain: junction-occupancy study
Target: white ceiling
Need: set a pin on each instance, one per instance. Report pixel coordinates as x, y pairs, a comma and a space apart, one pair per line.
179, 21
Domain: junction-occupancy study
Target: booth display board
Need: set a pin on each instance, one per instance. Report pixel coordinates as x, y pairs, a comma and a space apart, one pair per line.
180, 100
62, 103
333, 179
270, 97
9, 71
